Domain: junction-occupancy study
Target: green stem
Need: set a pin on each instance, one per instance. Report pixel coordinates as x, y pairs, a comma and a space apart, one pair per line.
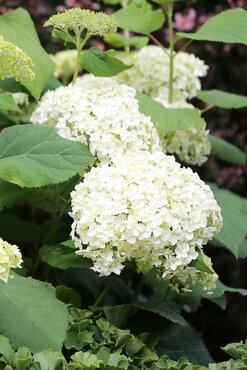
138, 288
103, 293
171, 54
124, 4
79, 46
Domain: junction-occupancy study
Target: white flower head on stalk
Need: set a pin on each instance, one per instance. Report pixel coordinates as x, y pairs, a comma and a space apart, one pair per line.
10, 257
15, 63
150, 73
190, 145
65, 62
145, 208
101, 111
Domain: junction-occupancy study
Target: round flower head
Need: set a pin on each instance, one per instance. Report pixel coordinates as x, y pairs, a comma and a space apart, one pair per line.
10, 257
145, 208
190, 145
14, 63
95, 23
150, 73
99, 111
65, 62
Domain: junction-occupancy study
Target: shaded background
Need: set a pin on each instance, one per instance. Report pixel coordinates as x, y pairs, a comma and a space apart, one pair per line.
228, 71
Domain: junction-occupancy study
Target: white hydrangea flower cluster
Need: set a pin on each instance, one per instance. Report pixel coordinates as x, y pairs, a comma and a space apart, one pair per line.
65, 62
101, 111
191, 145
10, 257
150, 73
146, 208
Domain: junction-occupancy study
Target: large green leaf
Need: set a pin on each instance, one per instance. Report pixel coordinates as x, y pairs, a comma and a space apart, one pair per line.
117, 315
11, 194
184, 342
31, 315
221, 289
7, 102
102, 63
169, 119
141, 19
228, 26
17, 27
33, 156
25, 231
234, 227
223, 99
63, 256
226, 151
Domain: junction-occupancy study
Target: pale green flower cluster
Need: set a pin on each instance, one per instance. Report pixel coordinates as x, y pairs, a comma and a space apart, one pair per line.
10, 257
150, 74
96, 23
185, 279
146, 208
138, 203
21, 98
14, 63
101, 111
190, 145
65, 62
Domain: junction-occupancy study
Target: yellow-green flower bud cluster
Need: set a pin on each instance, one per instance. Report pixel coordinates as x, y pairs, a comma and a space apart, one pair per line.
14, 63
96, 23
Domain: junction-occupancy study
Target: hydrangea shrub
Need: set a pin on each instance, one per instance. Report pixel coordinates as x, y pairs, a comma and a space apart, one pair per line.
95, 180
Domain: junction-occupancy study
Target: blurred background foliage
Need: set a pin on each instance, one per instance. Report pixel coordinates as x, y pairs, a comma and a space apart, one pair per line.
228, 71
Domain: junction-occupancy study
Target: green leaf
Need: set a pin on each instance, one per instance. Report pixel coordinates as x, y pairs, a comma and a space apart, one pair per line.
6, 350
184, 342
141, 19
226, 151
117, 315
168, 310
228, 26
102, 63
169, 119
50, 360
64, 36
25, 231
242, 249
9, 84
33, 156
200, 265
17, 27
7, 102
68, 296
120, 41
221, 289
222, 99
31, 316
11, 195
63, 256
234, 227
85, 360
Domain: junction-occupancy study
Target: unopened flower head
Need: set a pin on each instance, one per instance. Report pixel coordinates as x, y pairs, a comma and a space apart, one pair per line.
150, 73
190, 145
10, 257
15, 63
95, 23
65, 62
99, 111
145, 208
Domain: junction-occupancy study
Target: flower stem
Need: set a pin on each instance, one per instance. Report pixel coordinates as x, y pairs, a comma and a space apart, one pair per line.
104, 291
